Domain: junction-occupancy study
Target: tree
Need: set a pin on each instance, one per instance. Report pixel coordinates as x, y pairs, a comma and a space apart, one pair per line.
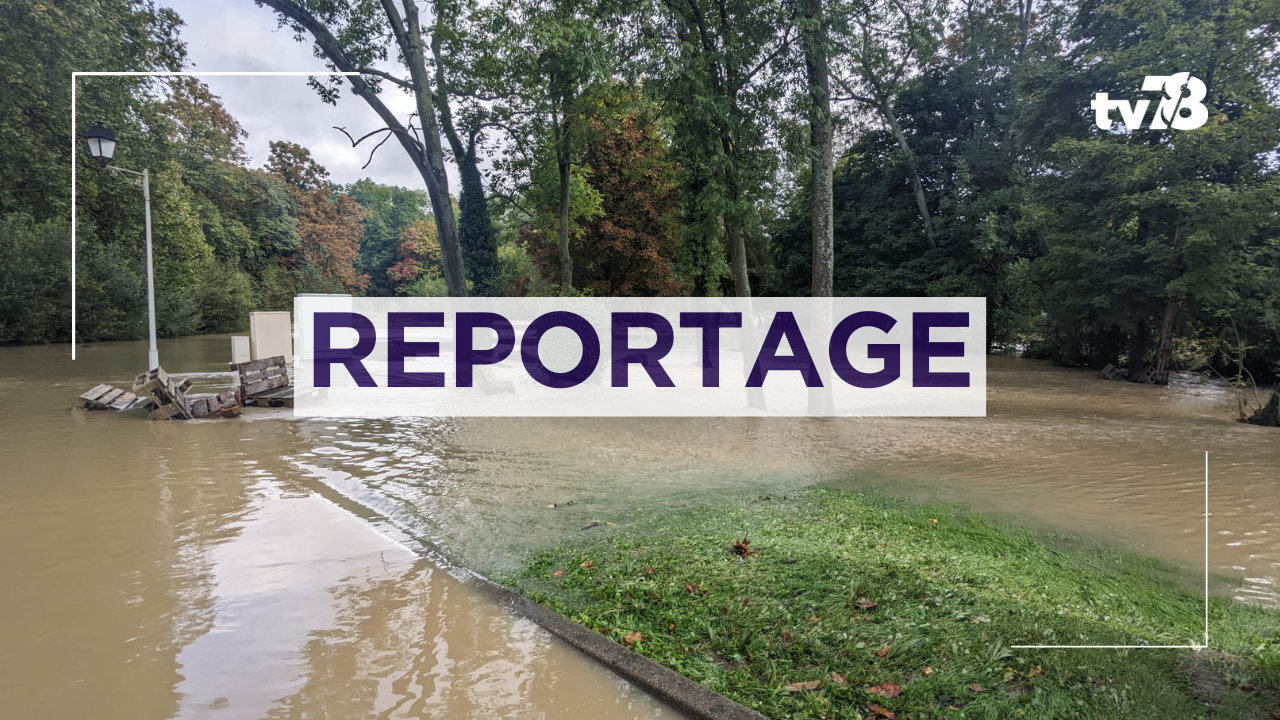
351, 38
629, 245
889, 40
714, 60
556, 55
1152, 230
817, 48
388, 212
330, 224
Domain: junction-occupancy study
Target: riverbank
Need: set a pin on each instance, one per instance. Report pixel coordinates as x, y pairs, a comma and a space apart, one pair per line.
838, 604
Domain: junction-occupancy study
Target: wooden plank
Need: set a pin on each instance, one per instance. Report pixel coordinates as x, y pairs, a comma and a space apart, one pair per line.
259, 364
89, 396
124, 402
264, 385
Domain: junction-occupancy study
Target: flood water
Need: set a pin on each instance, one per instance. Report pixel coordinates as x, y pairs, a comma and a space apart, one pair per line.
272, 567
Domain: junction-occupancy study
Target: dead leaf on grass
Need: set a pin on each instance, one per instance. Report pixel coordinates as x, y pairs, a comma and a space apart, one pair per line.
866, 604
976, 687
588, 564
802, 686
1034, 671
889, 690
634, 637
839, 679
557, 573
882, 712
883, 651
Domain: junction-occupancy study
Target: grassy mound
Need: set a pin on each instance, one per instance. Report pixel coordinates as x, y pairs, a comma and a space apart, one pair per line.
848, 605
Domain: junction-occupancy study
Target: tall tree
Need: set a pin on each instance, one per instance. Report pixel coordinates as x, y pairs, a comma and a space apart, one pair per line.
352, 37
718, 58
816, 47
889, 41
555, 55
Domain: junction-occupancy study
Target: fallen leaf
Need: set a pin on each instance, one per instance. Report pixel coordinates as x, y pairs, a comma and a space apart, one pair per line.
724, 609
883, 651
839, 679
588, 564
866, 604
814, 619
889, 690
671, 626
743, 547
883, 712
746, 602
786, 638
976, 688
557, 573
801, 686
927, 670
1034, 671
634, 637
692, 588
933, 520
649, 571
1010, 674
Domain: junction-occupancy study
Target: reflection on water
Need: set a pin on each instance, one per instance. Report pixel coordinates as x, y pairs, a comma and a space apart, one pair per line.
200, 569
156, 570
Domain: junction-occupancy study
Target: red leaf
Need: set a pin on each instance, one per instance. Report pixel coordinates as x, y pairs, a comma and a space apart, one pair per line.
889, 690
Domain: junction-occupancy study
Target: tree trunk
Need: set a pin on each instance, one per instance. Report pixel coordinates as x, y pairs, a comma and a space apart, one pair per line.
562, 220
441, 204
820, 146
1164, 356
476, 234
1137, 351
921, 202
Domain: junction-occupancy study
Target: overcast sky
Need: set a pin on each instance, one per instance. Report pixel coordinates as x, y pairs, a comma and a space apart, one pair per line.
228, 35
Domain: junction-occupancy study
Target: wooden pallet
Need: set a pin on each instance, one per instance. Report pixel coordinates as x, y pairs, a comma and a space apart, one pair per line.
265, 382
107, 397
167, 395
278, 397
212, 406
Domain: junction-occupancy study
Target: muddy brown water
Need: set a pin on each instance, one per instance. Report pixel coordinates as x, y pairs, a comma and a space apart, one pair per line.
272, 567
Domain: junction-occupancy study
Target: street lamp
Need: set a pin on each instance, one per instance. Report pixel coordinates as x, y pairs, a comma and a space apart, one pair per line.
102, 147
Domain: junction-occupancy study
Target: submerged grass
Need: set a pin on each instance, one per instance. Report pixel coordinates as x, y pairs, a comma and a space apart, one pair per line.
908, 610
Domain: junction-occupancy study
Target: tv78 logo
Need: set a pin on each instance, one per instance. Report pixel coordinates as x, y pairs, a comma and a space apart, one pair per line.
1175, 110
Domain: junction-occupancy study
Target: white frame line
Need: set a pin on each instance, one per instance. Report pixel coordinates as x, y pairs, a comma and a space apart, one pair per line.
75, 142
1206, 595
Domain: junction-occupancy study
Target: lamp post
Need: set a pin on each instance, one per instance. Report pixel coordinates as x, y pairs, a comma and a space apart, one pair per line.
102, 147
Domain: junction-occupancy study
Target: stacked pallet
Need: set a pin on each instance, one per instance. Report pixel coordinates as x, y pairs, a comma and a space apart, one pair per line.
106, 397
212, 406
265, 382
167, 396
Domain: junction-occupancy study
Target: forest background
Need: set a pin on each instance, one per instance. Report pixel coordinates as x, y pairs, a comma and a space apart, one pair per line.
676, 147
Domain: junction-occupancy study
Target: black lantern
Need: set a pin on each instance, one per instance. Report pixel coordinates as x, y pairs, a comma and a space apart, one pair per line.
102, 143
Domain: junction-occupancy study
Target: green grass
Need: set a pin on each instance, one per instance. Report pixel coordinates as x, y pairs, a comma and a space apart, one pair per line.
953, 591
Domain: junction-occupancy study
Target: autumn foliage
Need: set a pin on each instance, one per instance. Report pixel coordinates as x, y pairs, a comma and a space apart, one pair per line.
627, 248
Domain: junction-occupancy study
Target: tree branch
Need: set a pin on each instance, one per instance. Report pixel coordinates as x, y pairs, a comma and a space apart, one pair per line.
387, 76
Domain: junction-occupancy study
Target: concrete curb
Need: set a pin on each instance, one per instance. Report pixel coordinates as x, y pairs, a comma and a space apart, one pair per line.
667, 685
